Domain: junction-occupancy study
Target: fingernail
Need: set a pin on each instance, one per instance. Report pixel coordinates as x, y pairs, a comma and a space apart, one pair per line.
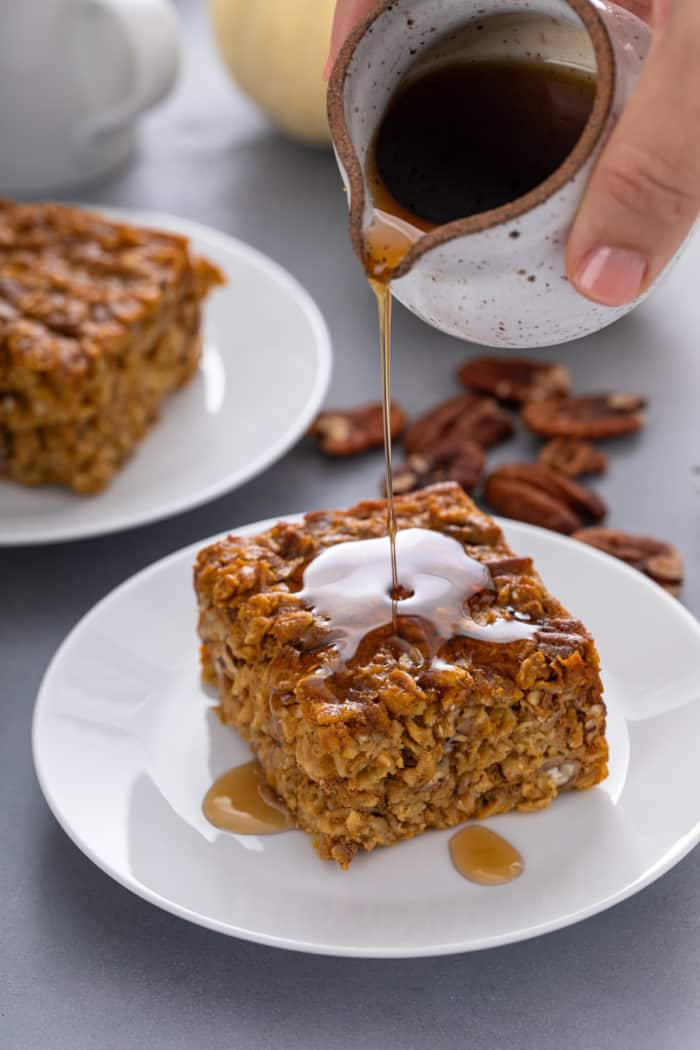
612, 276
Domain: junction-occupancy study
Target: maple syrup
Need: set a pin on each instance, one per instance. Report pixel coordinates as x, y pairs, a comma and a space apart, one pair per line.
463, 138
383, 296
484, 857
241, 801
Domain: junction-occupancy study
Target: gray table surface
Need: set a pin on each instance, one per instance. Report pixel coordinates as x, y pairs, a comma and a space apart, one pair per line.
83, 963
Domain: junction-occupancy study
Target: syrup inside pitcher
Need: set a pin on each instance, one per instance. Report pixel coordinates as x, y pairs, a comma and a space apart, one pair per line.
463, 138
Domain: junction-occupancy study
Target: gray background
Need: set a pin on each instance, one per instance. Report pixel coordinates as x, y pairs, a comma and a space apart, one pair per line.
83, 963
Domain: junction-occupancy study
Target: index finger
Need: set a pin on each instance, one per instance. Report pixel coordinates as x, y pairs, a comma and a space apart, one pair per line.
348, 13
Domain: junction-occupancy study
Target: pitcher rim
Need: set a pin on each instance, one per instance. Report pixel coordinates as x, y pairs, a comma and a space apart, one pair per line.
590, 136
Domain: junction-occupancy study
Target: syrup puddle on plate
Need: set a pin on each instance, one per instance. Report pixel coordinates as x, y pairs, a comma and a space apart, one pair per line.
484, 857
240, 801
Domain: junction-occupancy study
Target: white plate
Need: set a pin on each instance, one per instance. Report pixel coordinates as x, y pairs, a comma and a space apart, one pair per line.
125, 748
264, 373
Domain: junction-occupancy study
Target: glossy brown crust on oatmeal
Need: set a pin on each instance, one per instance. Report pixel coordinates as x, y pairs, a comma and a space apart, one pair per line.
389, 747
98, 322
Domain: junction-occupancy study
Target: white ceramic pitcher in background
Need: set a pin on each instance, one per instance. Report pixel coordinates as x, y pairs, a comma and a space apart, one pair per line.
496, 278
74, 76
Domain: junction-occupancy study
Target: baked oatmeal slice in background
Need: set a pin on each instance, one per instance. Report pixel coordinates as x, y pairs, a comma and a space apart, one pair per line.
99, 321
389, 745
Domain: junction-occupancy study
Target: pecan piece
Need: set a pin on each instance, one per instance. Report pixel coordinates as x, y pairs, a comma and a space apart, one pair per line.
661, 561
533, 493
561, 771
589, 418
572, 457
461, 419
509, 566
461, 463
347, 431
515, 379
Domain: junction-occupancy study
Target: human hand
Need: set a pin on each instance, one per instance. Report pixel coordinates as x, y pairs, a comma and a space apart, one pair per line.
644, 195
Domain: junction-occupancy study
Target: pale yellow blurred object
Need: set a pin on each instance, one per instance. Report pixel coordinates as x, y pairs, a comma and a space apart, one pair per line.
275, 50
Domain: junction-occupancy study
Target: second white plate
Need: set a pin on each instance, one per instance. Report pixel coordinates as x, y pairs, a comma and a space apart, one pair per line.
126, 745
264, 373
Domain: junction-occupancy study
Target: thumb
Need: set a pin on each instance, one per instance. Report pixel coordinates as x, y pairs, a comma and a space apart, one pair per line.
644, 195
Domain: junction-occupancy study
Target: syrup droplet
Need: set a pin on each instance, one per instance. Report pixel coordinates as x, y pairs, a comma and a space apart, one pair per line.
387, 240
241, 801
484, 857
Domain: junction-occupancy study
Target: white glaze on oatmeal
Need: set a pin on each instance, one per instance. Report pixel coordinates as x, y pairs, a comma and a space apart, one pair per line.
350, 586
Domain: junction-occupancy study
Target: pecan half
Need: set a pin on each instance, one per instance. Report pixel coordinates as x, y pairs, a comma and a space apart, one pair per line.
461, 419
590, 418
515, 379
461, 463
661, 561
572, 457
533, 493
347, 431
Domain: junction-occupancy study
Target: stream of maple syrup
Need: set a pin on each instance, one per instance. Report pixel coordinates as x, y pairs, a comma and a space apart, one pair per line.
382, 292
387, 240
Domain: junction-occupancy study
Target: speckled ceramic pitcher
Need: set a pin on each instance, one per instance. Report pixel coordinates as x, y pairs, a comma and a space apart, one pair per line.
496, 278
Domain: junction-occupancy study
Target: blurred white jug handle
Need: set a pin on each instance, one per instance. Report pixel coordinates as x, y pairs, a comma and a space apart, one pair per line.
151, 29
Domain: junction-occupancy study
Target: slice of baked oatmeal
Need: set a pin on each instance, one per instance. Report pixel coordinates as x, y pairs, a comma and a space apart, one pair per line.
396, 741
99, 321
